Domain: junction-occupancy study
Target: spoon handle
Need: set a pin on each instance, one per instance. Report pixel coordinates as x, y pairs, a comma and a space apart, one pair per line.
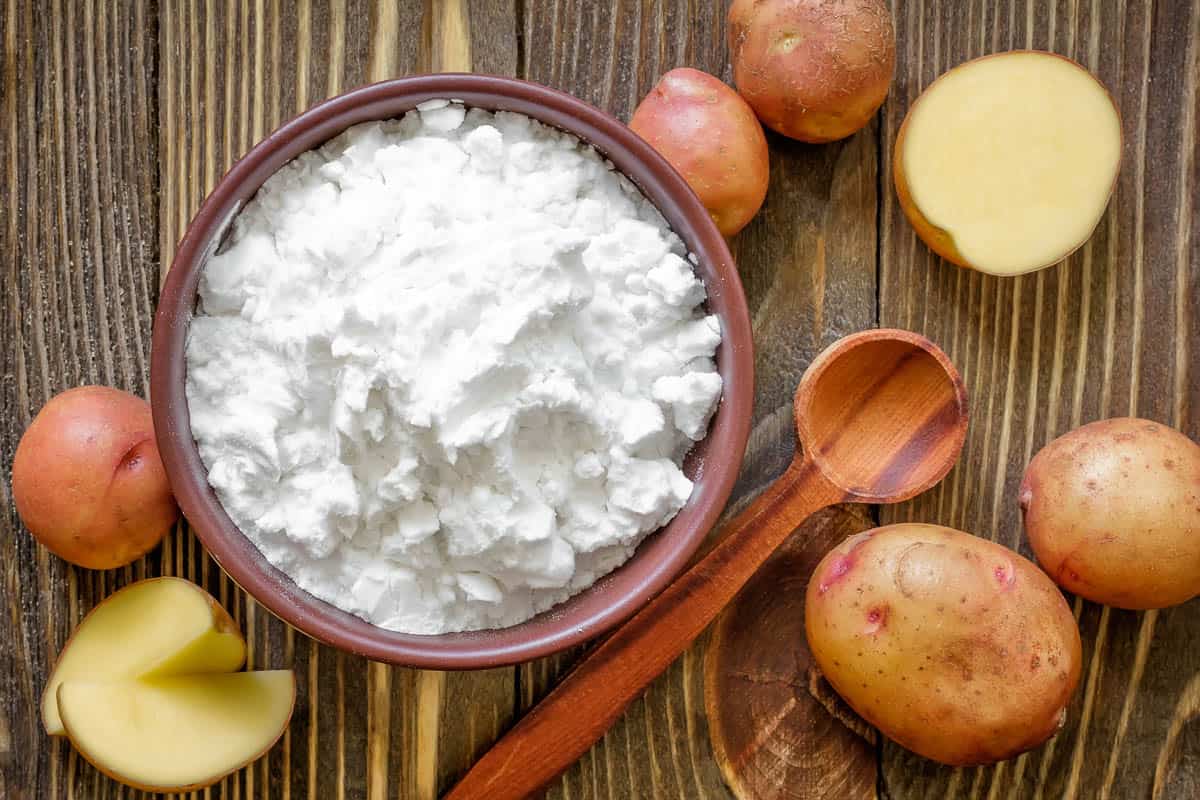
593, 696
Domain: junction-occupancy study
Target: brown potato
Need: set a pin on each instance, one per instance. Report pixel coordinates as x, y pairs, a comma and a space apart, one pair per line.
957, 648
1112, 510
88, 481
712, 138
814, 70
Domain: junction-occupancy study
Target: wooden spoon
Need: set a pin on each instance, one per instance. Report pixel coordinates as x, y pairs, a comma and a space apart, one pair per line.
882, 416
778, 729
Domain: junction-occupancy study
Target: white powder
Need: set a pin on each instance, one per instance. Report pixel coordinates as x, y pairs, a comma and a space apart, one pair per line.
445, 371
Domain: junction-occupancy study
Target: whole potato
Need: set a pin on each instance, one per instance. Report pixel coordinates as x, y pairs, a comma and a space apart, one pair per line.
814, 70
88, 481
712, 138
1112, 510
957, 648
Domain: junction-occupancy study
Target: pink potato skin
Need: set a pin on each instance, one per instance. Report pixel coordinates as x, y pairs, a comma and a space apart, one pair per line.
712, 138
1112, 511
953, 646
813, 70
88, 481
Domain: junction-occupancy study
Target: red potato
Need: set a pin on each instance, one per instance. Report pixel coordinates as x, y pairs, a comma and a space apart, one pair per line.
88, 481
712, 138
1112, 510
814, 70
955, 647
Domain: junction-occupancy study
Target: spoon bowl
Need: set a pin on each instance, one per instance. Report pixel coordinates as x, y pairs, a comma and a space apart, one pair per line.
882, 414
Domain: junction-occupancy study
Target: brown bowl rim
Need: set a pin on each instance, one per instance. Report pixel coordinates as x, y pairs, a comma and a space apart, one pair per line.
613, 598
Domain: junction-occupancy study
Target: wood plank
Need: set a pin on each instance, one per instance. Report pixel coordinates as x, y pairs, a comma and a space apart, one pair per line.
1109, 332
80, 241
492, 32
808, 265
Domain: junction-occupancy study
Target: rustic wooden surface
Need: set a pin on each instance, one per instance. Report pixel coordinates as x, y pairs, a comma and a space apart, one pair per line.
118, 117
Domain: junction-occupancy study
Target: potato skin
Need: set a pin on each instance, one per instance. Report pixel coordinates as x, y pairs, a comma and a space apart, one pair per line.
955, 647
88, 481
813, 70
712, 138
1112, 510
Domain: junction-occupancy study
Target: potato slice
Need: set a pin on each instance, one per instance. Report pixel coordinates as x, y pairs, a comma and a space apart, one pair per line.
1006, 163
177, 733
156, 627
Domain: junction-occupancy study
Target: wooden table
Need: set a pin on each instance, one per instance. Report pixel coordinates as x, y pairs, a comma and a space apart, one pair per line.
115, 123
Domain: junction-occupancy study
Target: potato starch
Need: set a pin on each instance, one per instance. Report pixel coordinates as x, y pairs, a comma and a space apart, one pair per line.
445, 370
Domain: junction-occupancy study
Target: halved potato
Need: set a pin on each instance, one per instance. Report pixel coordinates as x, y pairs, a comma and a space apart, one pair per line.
160, 626
1005, 164
177, 733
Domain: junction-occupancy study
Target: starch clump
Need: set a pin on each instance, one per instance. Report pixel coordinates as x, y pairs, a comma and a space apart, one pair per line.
446, 368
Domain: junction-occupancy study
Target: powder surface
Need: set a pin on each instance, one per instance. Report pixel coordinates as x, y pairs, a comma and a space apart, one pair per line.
445, 370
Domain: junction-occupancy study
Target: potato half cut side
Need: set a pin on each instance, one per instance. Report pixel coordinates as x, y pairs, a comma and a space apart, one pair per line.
161, 626
177, 733
1005, 164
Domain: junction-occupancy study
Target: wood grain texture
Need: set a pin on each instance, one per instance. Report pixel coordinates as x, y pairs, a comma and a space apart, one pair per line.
1109, 332
80, 244
118, 117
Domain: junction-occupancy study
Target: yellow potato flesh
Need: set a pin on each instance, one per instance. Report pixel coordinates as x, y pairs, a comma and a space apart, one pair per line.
177, 732
1014, 157
164, 626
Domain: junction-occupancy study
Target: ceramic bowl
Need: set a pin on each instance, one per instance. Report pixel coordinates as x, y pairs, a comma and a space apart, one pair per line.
713, 463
